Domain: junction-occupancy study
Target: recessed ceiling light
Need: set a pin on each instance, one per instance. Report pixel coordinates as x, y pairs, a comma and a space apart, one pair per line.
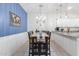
69, 8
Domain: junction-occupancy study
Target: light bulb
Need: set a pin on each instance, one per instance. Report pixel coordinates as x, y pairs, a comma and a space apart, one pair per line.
69, 8
37, 17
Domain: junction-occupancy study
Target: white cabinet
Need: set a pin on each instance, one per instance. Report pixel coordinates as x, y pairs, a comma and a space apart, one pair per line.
67, 43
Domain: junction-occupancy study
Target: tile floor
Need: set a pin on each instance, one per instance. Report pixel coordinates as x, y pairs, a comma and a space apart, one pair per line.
56, 50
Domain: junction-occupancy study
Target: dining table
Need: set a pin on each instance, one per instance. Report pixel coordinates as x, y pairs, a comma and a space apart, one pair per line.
40, 36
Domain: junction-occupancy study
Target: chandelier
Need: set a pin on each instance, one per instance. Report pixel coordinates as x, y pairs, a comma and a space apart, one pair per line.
40, 19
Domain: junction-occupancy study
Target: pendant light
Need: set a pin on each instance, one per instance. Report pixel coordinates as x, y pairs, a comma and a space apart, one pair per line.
39, 17
58, 13
56, 16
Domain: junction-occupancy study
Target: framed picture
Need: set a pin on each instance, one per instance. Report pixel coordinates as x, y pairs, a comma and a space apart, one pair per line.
15, 20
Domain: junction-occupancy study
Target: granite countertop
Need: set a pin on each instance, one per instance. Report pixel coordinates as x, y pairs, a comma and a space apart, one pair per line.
68, 34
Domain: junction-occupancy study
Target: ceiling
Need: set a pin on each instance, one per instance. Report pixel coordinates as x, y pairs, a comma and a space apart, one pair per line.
52, 8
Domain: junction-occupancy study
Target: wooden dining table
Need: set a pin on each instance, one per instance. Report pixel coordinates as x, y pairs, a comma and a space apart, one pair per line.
40, 37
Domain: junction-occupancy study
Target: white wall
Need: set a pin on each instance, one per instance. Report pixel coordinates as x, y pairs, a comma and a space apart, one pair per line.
50, 23
68, 23
71, 21
9, 44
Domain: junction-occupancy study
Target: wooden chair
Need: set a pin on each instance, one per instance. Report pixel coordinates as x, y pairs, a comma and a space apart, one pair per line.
30, 41
44, 47
33, 46
47, 39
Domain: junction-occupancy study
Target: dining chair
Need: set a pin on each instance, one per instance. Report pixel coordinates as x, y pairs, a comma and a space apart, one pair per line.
47, 39
33, 46
30, 41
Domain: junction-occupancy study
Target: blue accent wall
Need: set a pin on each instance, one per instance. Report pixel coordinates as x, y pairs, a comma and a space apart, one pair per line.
5, 27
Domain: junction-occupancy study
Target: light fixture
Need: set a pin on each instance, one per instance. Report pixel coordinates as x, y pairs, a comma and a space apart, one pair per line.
37, 17
66, 16
43, 18
40, 18
69, 7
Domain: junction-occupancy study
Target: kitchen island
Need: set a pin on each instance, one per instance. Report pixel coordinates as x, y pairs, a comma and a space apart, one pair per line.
69, 41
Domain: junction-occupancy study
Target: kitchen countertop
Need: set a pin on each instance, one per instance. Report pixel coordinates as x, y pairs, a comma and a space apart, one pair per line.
68, 34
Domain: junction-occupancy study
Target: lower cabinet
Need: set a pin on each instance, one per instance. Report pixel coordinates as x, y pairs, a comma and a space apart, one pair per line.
69, 44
